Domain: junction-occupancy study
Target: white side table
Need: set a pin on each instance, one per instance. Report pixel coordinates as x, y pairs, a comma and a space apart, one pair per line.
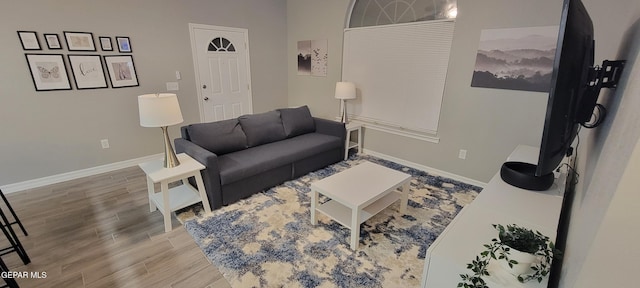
353, 126
180, 196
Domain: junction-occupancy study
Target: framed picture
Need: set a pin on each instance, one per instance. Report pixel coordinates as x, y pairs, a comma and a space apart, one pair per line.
105, 43
29, 40
122, 72
519, 69
312, 57
79, 41
53, 42
87, 71
124, 45
48, 72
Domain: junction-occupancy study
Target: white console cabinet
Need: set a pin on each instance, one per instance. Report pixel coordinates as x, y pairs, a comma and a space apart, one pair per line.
498, 203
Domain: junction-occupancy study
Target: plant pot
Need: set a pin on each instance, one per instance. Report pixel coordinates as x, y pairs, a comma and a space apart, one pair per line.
525, 261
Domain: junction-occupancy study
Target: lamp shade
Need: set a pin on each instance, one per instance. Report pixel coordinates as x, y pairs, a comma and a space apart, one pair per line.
345, 90
159, 110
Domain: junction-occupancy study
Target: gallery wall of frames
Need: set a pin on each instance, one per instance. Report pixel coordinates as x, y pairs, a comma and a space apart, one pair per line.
49, 69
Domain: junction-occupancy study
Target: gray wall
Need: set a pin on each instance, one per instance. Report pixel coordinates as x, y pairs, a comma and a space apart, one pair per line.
316, 20
48, 133
489, 123
604, 222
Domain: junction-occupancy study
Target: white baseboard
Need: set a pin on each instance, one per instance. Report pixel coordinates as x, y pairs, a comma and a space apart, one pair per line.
35, 183
427, 169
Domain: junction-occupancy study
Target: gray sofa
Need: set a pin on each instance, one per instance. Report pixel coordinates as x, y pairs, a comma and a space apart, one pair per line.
246, 155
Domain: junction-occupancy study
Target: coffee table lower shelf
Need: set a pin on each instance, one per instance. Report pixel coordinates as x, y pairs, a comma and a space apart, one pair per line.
342, 214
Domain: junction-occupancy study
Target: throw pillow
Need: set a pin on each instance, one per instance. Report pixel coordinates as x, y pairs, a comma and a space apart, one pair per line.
262, 128
297, 121
219, 137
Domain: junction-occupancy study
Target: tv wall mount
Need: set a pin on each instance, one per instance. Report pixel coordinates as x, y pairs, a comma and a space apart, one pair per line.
598, 77
608, 75
521, 174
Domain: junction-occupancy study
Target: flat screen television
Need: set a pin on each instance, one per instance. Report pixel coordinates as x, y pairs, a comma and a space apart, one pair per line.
568, 94
575, 86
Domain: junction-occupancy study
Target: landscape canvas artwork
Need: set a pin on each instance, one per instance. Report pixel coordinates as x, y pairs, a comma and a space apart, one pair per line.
304, 57
516, 58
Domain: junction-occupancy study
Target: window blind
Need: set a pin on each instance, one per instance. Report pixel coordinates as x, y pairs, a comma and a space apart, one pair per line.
400, 72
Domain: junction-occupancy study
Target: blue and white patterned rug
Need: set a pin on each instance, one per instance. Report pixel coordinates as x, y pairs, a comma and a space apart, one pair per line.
267, 240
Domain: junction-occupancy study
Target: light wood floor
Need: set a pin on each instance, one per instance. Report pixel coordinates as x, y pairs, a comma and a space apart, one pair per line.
98, 232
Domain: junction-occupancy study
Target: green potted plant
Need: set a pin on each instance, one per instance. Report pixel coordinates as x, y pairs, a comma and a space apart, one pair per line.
522, 252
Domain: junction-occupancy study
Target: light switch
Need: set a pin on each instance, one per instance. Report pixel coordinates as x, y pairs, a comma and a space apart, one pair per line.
172, 86
178, 76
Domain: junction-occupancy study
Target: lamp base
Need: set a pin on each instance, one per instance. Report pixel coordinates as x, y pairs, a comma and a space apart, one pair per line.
170, 158
343, 117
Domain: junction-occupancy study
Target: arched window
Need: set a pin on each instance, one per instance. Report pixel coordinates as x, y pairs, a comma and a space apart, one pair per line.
384, 12
221, 44
403, 77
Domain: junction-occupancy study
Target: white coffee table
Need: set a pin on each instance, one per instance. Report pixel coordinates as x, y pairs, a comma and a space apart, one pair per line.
358, 194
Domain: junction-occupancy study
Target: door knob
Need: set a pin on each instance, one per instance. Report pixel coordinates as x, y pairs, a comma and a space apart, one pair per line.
204, 86
206, 98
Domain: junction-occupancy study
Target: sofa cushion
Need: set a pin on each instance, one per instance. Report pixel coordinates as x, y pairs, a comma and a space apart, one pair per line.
243, 164
219, 137
297, 121
262, 128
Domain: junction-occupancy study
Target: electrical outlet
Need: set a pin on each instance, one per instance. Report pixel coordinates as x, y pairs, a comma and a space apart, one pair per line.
462, 154
104, 143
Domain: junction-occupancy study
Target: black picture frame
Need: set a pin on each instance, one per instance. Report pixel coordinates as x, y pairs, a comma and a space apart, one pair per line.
87, 71
29, 40
53, 41
79, 41
124, 44
48, 71
121, 70
105, 43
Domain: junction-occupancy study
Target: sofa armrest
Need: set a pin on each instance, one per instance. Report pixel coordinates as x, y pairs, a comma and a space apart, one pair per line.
210, 175
330, 127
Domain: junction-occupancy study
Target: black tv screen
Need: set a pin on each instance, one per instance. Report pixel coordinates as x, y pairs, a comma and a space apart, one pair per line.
569, 83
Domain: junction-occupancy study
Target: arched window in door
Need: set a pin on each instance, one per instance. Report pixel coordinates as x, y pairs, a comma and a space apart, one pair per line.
384, 12
221, 44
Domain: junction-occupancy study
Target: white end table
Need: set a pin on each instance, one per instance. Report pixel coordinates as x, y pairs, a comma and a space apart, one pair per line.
358, 194
353, 126
180, 196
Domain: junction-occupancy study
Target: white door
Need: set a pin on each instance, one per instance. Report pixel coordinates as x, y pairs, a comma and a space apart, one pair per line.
221, 60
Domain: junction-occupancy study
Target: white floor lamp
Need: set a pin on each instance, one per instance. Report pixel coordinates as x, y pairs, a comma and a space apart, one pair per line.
345, 91
161, 110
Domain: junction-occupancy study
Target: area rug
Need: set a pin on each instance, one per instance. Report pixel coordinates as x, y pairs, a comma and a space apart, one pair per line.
267, 240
